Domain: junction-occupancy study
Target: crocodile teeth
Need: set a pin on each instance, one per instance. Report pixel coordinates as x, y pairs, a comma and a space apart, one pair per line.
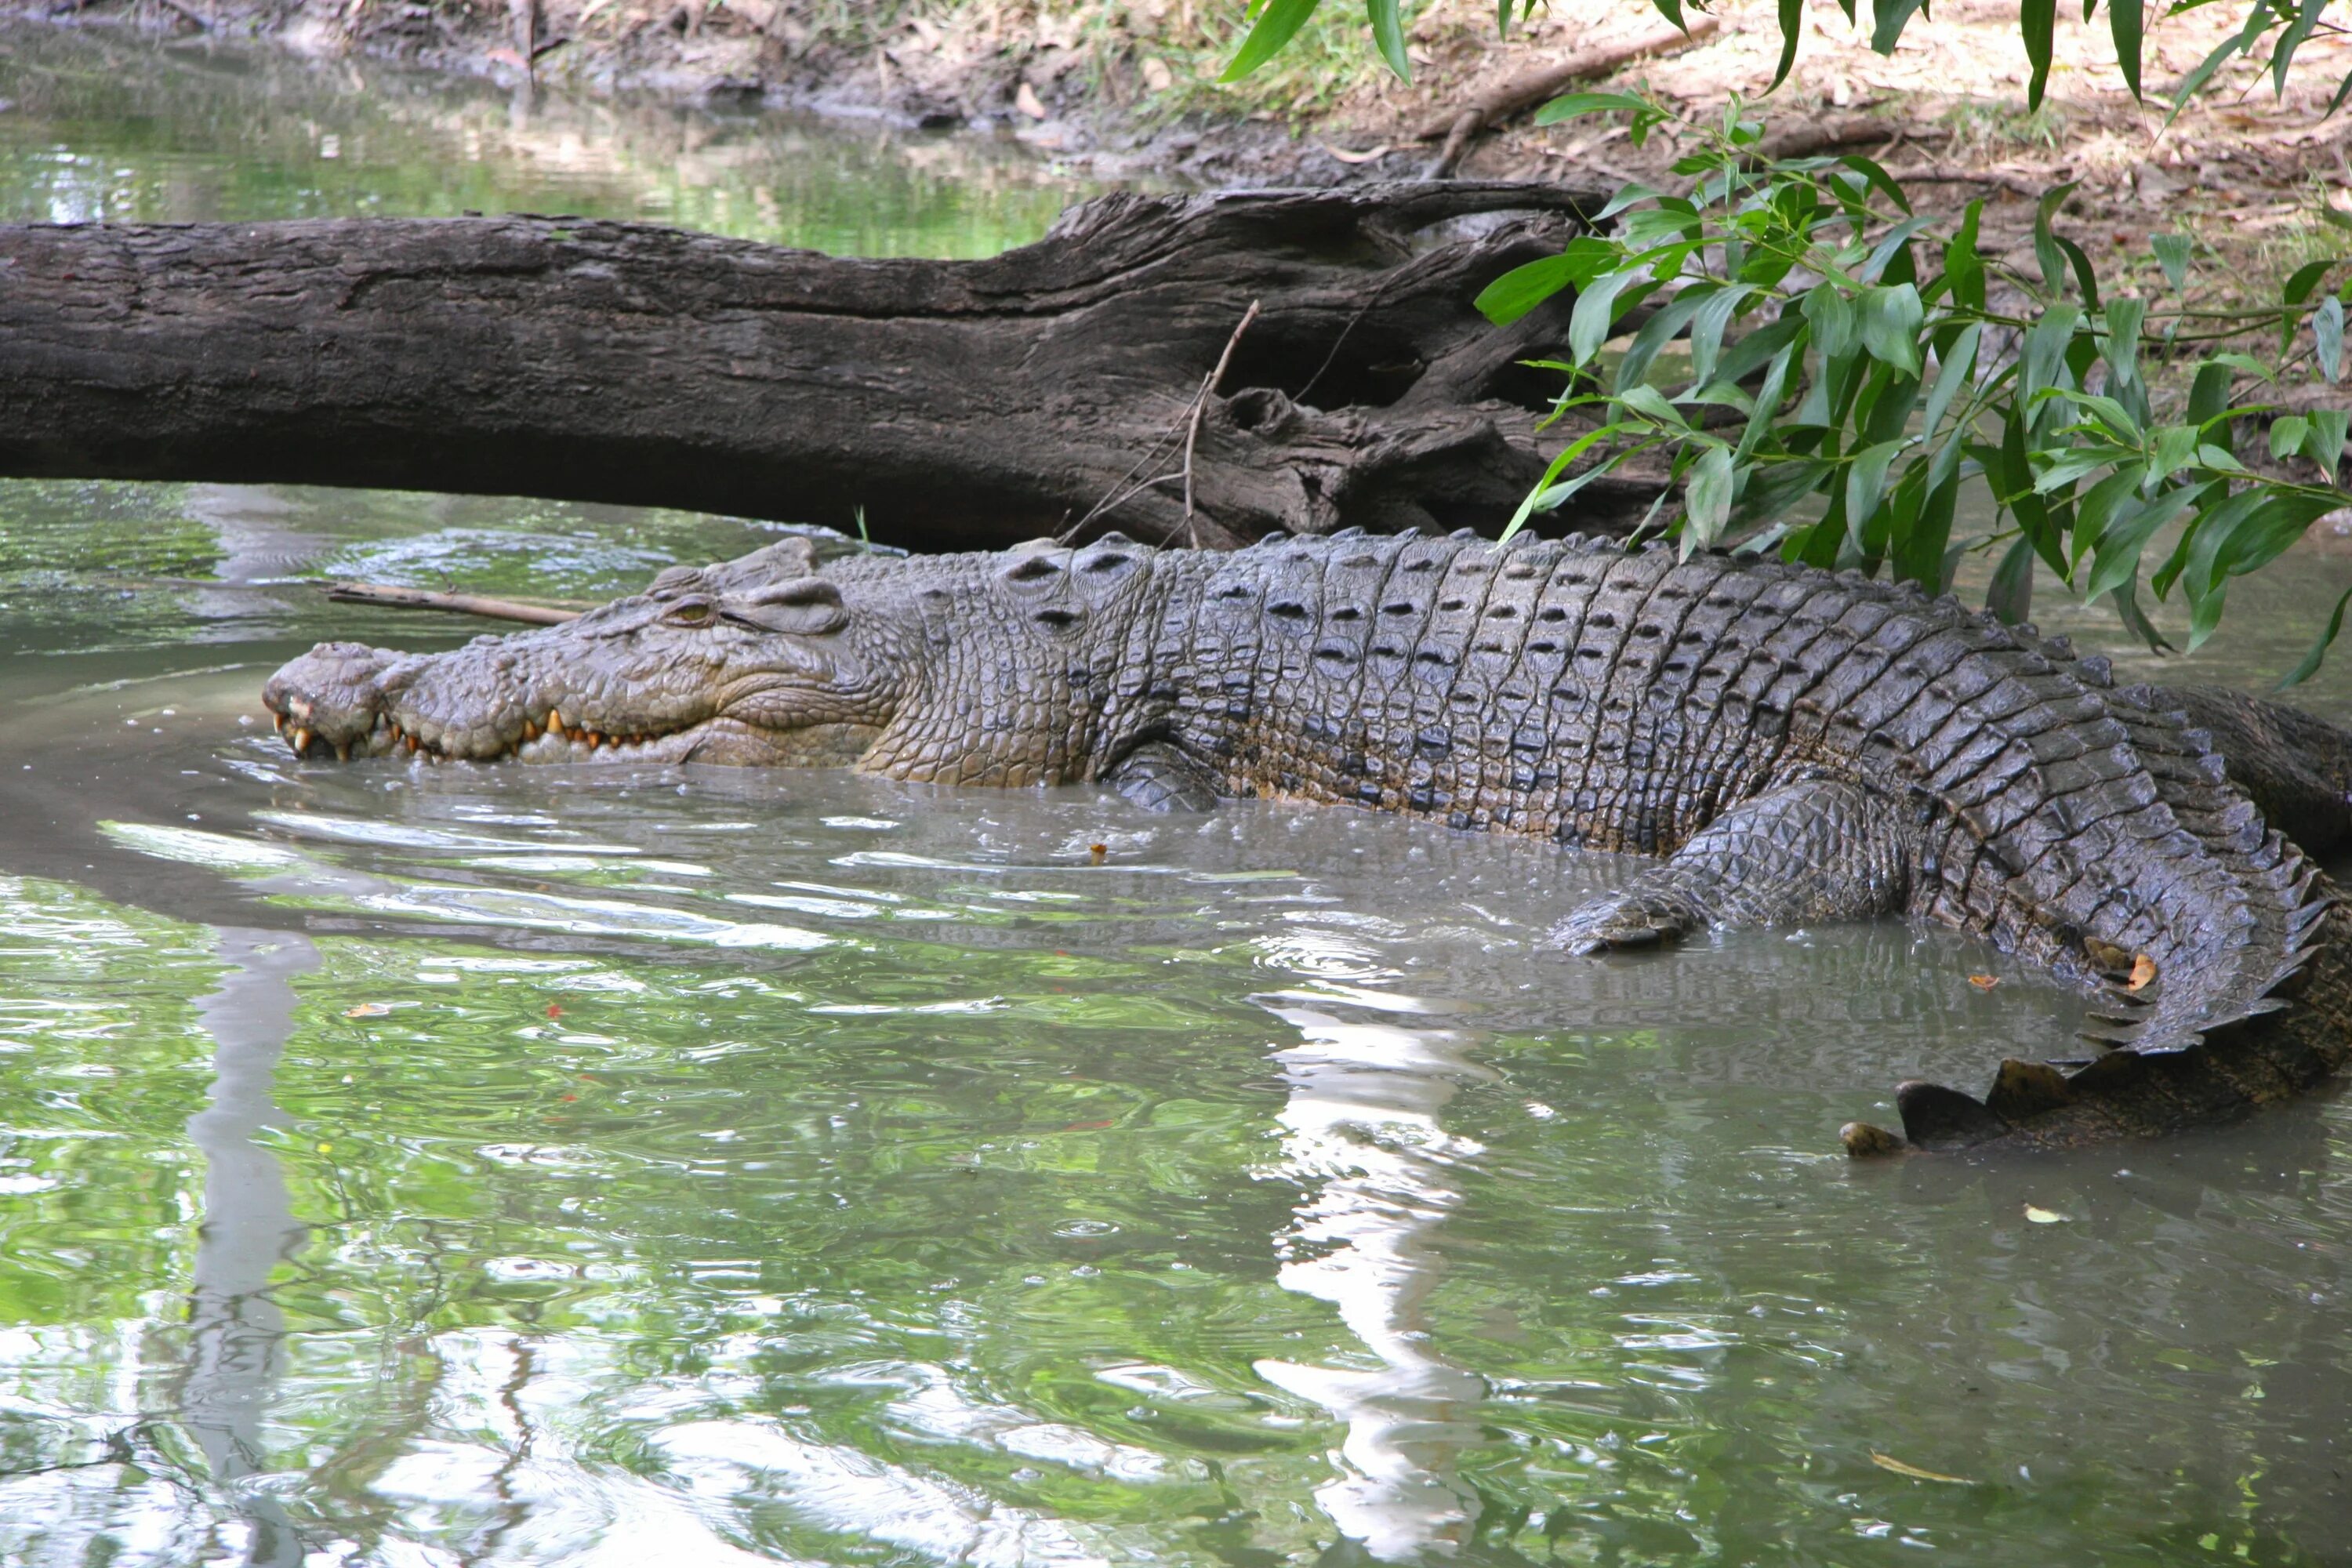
277, 722
530, 732
301, 740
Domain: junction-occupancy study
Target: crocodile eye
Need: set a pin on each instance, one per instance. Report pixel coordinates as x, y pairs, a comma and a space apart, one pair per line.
689, 612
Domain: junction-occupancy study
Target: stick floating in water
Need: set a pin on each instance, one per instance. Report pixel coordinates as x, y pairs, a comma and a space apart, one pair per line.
457, 603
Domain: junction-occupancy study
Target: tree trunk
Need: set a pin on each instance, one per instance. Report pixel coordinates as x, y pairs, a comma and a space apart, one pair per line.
953, 403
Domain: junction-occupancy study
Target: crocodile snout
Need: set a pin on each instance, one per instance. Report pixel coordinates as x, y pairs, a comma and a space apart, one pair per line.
332, 698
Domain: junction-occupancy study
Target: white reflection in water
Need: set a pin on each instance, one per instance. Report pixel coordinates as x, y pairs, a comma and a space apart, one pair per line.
235, 1329
1361, 1134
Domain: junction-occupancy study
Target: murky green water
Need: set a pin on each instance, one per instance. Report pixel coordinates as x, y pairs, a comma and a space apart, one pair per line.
443, 1165
102, 124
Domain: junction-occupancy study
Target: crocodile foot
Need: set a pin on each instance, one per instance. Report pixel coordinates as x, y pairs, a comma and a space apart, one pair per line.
1621, 922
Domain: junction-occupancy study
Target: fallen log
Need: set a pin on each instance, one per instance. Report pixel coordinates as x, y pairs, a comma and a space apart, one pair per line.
952, 403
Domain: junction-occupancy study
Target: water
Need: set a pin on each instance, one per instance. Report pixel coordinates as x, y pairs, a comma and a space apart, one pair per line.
417, 1166
105, 125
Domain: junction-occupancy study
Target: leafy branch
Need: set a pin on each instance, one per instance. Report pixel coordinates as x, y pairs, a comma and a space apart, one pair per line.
1844, 368
2274, 32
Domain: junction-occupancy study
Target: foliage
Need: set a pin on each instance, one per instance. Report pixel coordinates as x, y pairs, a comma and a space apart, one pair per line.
1847, 361
2274, 32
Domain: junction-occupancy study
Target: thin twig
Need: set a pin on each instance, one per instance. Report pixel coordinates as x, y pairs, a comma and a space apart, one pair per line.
458, 604
1201, 406
1120, 494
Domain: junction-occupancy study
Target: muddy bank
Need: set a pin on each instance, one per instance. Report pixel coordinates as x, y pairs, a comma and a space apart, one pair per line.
1126, 91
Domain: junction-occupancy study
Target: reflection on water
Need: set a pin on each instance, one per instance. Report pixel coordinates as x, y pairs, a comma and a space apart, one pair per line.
1362, 1133
247, 1230
107, 125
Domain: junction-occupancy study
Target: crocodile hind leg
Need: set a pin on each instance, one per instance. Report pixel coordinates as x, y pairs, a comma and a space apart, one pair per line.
1816, 849
1160, 778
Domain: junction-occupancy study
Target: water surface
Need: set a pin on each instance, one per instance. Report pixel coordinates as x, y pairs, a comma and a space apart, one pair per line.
412, 1164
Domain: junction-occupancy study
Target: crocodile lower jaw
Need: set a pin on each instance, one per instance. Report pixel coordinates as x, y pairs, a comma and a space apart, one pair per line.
544, 740
722, 741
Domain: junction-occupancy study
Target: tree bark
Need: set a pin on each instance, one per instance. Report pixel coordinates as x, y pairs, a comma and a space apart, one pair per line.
953, 403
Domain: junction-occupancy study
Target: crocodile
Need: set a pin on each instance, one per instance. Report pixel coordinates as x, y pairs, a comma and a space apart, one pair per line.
1796, 744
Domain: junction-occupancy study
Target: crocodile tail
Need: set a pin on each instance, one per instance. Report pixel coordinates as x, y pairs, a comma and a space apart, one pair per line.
2276, 1022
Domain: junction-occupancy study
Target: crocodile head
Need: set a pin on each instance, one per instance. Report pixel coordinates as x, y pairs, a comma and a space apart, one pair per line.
756, 661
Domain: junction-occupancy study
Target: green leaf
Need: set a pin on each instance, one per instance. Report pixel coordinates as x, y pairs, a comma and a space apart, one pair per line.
1536, 497
2309, 666
1832, 317
1880, 179
1589, 324
2201, 573
1792, 27
1890, 247
1951, 375
2086, 278
1865, 481
2282, 519
1918, 557
2115, 556
2036, 19
2287, 432
2045, 244
1278, 22
1387, 33
1669, 320
1570, 106
1652, 404
1892, 16
2176, 448
2306, 279
1525, 286
2258, 21
2111, 413
2209, 394
1706, 501
1706, 331
2283, 52
2120, 347
2127, 20
2067, 465
2118, 491
2013, 488
1890, 320
1760, 346
2327, 336
2011, 594
1627, 194
2171, 254
1773, 488
2325, 445
1768, 399
2124, 602
1963, 268
2045, 352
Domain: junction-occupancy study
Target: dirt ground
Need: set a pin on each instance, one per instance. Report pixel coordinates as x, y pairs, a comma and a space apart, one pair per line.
1126, 89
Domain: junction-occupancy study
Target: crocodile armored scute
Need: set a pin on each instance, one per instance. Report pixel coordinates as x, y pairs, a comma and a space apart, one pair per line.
1796, 746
